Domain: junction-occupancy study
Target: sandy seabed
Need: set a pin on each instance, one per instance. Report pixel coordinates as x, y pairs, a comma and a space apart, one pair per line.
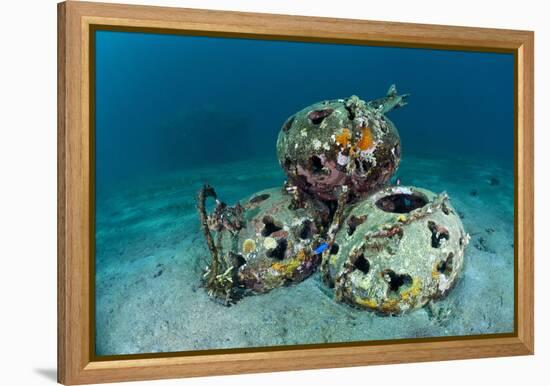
150, 255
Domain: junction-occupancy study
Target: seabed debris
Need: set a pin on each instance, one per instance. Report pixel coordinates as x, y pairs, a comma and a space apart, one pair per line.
381, 247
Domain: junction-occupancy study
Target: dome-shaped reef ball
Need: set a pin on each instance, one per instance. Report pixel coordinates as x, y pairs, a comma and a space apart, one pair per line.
400, 248
341, 142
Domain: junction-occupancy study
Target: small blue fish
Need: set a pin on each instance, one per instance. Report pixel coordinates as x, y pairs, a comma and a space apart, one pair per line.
320, 249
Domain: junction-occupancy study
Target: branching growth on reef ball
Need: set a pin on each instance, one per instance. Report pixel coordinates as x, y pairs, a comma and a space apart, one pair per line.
206, 192
336, 224
219, 275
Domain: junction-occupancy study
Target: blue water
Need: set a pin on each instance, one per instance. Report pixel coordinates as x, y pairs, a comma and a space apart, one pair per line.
166, 102
173, 111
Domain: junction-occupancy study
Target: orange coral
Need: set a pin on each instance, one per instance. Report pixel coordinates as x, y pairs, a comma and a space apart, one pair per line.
287, 269
366, 141
277, 266
343, 138
301, 255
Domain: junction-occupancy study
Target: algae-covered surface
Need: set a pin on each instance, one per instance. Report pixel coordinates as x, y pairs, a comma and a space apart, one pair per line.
150, 255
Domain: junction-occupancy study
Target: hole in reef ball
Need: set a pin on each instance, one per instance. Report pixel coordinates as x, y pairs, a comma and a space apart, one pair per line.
316, 164
317, 116
353, 222
288, 123
446, 266
396, 281
362, 264
259, 198
306, 232
278, 252
439, 233
270, 226
401, 202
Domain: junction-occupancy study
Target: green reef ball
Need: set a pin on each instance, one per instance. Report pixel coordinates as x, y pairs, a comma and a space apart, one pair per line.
398, 249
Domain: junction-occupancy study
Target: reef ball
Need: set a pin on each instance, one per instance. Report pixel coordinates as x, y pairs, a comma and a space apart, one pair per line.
398, 249
341, 142
277, 245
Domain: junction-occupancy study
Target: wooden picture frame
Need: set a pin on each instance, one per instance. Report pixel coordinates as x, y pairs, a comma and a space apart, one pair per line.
77, 363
